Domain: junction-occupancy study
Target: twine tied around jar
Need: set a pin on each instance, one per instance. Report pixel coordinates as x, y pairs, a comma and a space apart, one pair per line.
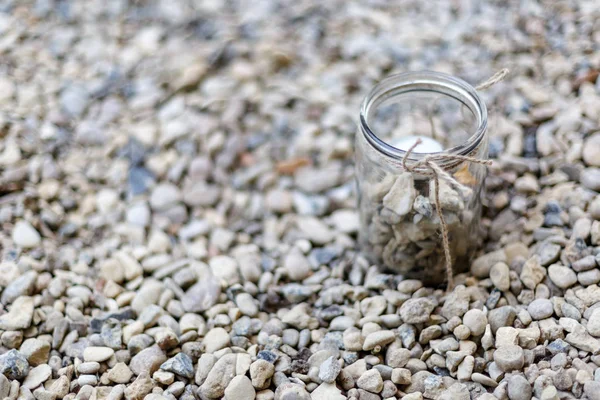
437, 173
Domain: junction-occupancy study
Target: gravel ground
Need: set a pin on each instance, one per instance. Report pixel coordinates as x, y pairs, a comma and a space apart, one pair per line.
178, 209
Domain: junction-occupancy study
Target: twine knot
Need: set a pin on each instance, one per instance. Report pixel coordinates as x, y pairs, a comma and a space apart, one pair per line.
437, 173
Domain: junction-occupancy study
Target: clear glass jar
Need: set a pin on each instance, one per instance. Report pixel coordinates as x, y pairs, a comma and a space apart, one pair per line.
400, 226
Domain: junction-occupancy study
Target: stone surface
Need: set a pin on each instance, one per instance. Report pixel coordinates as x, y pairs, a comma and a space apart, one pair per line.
180, 365
402, 195
20, 314
120, 373
476, 321
593, 325
36, 351
98, 354
415, 311
261, 372
37, 376
329, 370
499, 274
563, 277
219, 377
370, 381
24, 235
240, 388
509, 358
14, 365
178, 188
147, 360
540, 309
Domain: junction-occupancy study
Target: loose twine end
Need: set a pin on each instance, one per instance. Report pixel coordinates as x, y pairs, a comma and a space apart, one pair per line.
438, 173
492, 80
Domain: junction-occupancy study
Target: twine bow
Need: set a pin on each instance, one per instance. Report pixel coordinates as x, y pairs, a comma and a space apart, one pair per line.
437, 172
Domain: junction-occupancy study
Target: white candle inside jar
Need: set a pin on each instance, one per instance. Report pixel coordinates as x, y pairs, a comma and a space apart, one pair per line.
427, 145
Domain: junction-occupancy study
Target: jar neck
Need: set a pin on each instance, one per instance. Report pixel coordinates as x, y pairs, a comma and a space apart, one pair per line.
426, 81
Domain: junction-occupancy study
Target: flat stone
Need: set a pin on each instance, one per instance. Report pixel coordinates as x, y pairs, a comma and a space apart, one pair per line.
240, 388
14, 365
205, 364
590, 178
261, 372
131, 267
484, 380
482, 265
37, 376
315, 180
4, 386
98, 354
587, 278
519, 388
327, 391
296, 265
329, 370
216, 339
548, 252
502, 316
147, 360
476, 321
591, 150
19, 316
180, 365
592, 390
225, 269
457, 303
370, 381
60, 387
499, 275
219, 376
315, 230
36, 351
22, 286
120, 373
402, 194
202, 295
416, 311
532, 273
458, 391
378, 339
90, 367
563, 277
24, 235
164, 196
138, 390
582, 340
540, 309
291, 391
593, 325
509, 358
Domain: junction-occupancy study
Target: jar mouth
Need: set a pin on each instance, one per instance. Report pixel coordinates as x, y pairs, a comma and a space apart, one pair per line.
425, 81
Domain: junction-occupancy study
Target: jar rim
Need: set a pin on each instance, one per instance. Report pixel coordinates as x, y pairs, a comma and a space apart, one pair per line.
431, 81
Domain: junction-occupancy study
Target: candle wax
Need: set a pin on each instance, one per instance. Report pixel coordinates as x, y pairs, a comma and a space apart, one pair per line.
428, 145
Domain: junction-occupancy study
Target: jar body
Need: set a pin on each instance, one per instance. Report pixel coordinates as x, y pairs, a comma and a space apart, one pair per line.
400, 226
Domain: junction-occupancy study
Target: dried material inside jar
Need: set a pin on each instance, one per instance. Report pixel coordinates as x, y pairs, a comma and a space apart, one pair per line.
404, 228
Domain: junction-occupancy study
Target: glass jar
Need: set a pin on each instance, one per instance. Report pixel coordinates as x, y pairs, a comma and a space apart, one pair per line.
400, 225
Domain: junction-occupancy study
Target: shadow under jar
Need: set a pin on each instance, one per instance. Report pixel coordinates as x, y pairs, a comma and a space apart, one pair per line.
400, 225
